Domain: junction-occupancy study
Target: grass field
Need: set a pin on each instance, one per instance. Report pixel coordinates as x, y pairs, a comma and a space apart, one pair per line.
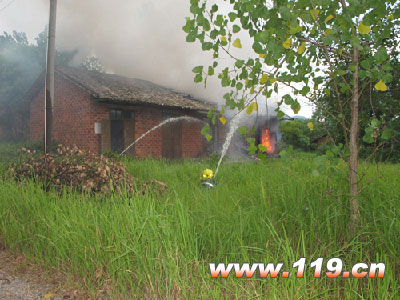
155, 246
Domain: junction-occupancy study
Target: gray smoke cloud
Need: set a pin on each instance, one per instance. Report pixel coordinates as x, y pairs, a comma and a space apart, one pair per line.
141, 38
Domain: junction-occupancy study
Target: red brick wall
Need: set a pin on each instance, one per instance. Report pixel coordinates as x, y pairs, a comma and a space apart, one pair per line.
74, 116
75, 113
151, 144
192, 140
36, 117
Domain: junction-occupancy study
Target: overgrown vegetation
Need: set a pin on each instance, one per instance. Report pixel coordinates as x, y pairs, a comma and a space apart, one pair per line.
303, 135
310, 48
379, 115
151, 246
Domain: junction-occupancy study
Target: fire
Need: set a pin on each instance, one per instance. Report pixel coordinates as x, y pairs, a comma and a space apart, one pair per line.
266, 141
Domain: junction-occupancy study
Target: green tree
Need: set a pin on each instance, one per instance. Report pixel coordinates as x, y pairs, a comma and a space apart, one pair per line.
302, 45
301, 134
20, 65
379, 112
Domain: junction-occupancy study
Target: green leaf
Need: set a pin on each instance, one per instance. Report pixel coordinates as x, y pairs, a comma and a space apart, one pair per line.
365, 64
197, 69
369, 135
191, 37
250, 62
243, 130
368, 139
239, 63
381, 55
375, 123
214, 33
207, 46
262, 156
257, 47
189, 26
236, 28
305, 90
232, 16
198, 78
208, 137
295, 107
205, 129
288, 99
280, 114
225, 81
252, 149
262, 148
285, 12
329, 153
387, 134
294, 30
219, 21
210, 71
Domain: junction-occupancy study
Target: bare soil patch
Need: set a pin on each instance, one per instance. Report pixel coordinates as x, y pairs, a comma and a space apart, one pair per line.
21, 279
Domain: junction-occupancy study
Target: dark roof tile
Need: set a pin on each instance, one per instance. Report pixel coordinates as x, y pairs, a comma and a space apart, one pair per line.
113, 87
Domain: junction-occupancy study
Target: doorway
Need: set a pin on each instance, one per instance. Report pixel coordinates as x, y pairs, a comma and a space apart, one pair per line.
121, 130
117, 135
171, 138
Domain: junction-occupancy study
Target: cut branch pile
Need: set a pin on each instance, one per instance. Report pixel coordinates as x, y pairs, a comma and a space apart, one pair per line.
80, 170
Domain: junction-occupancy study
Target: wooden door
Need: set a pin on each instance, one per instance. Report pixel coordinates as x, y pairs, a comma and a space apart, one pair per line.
129, 135
172, 139
117, 135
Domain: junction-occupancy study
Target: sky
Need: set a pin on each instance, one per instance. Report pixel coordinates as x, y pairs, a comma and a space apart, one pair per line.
141, 39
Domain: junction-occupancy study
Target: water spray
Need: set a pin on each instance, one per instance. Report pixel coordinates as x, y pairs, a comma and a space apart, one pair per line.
187, 118
233, 125
208, 177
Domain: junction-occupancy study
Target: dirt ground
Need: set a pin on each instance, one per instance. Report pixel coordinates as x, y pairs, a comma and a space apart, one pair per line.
23, 280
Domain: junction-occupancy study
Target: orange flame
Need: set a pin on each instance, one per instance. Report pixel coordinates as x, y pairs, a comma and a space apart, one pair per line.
266, 141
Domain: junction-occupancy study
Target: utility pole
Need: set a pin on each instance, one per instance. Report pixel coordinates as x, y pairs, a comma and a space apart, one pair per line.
49, 98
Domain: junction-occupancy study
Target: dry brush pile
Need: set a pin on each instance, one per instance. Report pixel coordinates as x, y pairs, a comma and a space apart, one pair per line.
80, 170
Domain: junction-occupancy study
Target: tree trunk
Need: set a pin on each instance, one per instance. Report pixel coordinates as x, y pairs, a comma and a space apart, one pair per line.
353, 163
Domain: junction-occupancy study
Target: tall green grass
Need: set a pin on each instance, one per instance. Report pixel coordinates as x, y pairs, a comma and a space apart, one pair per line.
155, 246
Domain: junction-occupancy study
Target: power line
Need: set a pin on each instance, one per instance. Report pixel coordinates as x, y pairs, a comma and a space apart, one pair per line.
7, 5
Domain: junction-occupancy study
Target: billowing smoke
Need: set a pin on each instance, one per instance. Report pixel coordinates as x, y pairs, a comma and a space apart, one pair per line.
141, 38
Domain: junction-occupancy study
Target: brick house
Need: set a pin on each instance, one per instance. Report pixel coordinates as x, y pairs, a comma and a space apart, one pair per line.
100, 112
